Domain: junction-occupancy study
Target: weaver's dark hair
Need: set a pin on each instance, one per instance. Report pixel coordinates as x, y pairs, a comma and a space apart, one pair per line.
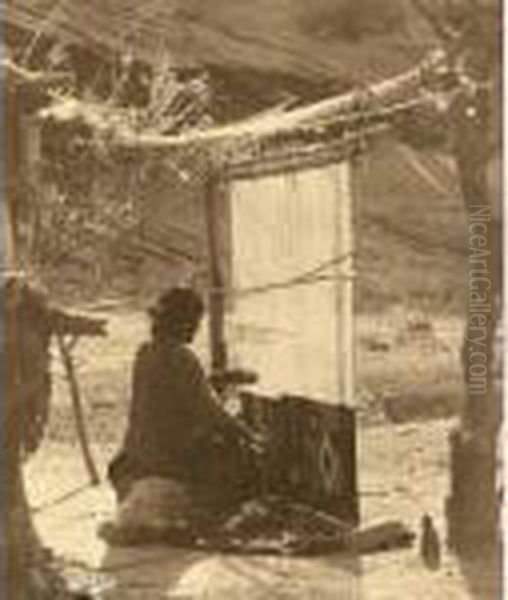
176, 313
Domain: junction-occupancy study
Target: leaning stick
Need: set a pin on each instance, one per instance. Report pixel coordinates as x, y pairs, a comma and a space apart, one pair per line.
78, 409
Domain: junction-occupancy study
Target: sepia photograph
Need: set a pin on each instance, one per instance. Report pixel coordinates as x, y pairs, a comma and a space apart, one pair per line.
253, 297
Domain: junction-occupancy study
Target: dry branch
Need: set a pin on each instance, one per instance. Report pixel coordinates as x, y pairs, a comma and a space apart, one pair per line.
75, 394
433, 72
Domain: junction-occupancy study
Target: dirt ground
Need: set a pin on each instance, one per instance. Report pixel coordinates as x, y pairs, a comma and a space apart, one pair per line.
409, 391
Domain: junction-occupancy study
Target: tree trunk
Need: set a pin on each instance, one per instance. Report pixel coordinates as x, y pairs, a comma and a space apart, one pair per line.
473, 508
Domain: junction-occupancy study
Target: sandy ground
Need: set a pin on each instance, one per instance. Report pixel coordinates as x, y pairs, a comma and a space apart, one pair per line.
403, 461
403, 474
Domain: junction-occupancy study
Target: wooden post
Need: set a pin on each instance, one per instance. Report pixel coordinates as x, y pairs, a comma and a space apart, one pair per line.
473, 508
218, 349
345, 283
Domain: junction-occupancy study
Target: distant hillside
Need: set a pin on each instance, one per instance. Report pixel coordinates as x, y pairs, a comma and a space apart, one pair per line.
410, 231
352, 40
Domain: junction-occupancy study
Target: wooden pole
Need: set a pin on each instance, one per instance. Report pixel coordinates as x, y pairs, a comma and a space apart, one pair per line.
473, 507
218, 349
78, 409
403, 87
345, 283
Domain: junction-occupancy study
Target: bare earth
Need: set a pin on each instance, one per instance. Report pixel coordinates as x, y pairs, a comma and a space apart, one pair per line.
409, 390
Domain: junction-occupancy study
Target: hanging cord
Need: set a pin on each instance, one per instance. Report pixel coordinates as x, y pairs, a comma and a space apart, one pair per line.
61, 500
315, 275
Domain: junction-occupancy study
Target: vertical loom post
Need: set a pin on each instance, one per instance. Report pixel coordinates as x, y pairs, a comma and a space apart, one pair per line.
345, 283
216, 297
